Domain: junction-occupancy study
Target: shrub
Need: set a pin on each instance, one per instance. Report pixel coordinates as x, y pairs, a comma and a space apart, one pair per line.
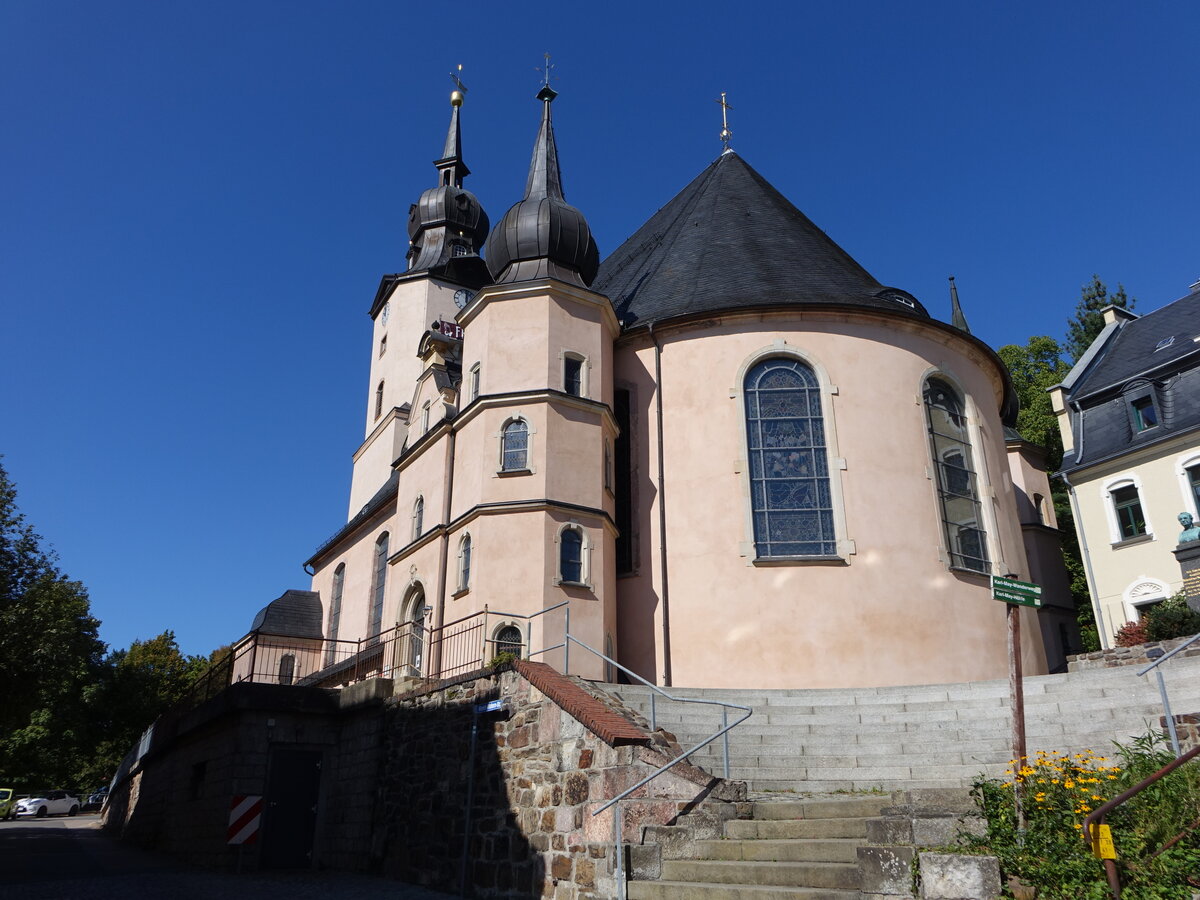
1131, 634
1059, 790
1171, 619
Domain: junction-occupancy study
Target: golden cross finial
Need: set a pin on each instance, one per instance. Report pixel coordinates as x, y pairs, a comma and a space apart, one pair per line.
726, 134
545, 70
454, 76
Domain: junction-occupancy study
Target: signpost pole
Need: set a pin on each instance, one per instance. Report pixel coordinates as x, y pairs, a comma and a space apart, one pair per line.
1015, 685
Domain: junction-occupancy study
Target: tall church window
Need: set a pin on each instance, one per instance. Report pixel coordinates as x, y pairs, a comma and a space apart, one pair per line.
379, 400
412, 646
335, 612
378, 583
514, 446
418, 518
425, 416
464, 563
474, 382
573, 374
570, 555
957, 482
789, 468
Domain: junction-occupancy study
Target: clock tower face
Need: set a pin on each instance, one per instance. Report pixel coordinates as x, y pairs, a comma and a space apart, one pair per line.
463, 297
387, 311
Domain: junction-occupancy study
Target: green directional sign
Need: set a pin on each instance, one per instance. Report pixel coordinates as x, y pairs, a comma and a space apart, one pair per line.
1022, 593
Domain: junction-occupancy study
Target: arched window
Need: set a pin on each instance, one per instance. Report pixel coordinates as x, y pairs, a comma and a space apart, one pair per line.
508, 640
414, 647
425, 416
464, 562
958, 490
570, 555
418, 518
335, 612
1039, 508
379, 400
378, 582
514, 446
287, 668
789, 466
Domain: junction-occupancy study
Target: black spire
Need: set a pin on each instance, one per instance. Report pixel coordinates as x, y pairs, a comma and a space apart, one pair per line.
543, 236
957, 319
448, 225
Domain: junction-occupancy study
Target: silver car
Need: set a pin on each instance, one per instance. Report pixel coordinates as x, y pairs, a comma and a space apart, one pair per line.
51, 803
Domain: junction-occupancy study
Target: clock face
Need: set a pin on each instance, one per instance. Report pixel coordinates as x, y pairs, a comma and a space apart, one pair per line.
462, 298
387, 311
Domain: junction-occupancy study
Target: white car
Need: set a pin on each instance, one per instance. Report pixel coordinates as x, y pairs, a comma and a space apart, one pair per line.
51, 803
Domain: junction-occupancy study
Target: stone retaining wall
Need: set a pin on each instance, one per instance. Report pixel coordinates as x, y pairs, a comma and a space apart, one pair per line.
1127, 656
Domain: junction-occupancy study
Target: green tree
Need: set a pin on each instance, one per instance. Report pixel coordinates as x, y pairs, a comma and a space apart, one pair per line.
1036, 367
49, 652
135, 687
1087, 322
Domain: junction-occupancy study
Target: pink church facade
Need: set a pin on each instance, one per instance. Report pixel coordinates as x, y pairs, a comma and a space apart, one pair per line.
737, 458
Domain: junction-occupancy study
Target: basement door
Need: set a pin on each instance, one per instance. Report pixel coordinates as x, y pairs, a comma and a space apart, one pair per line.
290, 809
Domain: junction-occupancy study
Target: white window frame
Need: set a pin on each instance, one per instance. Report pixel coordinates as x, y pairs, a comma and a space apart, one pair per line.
1140, 593
1182, 464
425, 415
418, 517
473, 381
1115, 483
585, 556
465, 543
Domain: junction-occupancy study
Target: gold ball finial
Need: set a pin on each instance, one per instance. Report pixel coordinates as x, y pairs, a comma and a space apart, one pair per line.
456, 98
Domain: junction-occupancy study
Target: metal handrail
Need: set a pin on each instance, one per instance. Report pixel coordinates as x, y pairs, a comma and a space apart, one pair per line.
1162, 688
1091, 835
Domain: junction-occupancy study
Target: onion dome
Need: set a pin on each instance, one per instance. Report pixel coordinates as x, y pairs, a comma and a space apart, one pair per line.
448, 223
543, 236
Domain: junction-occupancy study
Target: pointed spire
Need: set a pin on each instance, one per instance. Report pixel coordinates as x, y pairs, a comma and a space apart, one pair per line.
451, 160
957, 319
544, 177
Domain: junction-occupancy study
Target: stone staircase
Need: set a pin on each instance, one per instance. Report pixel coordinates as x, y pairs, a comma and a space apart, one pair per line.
896, 738
804, 849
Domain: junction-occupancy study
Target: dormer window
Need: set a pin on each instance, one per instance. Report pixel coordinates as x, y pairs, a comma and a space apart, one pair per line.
1142, 406
460, 250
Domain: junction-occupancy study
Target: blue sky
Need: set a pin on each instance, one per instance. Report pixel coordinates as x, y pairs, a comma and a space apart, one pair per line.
198, 201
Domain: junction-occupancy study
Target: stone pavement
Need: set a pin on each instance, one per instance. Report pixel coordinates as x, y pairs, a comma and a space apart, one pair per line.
71, 859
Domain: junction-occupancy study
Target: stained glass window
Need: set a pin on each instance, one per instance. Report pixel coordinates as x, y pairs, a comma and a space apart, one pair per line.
958, 491
515, 446
789, 467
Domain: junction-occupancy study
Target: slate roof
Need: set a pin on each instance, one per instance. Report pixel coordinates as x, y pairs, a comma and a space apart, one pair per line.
728, 241
294, 614
1128, 360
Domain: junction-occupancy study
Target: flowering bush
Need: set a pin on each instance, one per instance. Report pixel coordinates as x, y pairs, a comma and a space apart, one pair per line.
1131, 634
1057, 792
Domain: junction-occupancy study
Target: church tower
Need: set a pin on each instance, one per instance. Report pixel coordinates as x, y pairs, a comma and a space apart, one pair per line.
537, 430
446, 228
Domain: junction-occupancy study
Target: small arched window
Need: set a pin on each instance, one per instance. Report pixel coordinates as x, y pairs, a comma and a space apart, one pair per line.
1039, 508
425, 416
570, 555
508, 640
287, 668
378, 583
464, 562
514, 446
790, 492
335, 612
957, 482
418, 518
379, 400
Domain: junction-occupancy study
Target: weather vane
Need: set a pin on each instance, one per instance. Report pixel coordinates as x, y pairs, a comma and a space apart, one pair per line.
726, 134
458, 81
545, 70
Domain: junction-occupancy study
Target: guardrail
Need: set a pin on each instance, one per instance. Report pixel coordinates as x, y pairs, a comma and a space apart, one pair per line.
1162, 686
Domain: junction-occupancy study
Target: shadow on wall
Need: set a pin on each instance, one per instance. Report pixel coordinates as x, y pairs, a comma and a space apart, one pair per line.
443, 780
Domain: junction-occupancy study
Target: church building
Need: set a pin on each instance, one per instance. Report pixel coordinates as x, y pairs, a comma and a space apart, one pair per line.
728, 451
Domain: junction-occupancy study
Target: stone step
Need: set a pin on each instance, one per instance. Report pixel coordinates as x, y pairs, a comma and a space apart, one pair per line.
796, 829
690, 890
842, 876
822, 807
842, 850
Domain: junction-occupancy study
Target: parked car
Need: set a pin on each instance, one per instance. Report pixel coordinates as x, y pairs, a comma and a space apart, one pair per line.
8, 804
51, 803
95, 799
